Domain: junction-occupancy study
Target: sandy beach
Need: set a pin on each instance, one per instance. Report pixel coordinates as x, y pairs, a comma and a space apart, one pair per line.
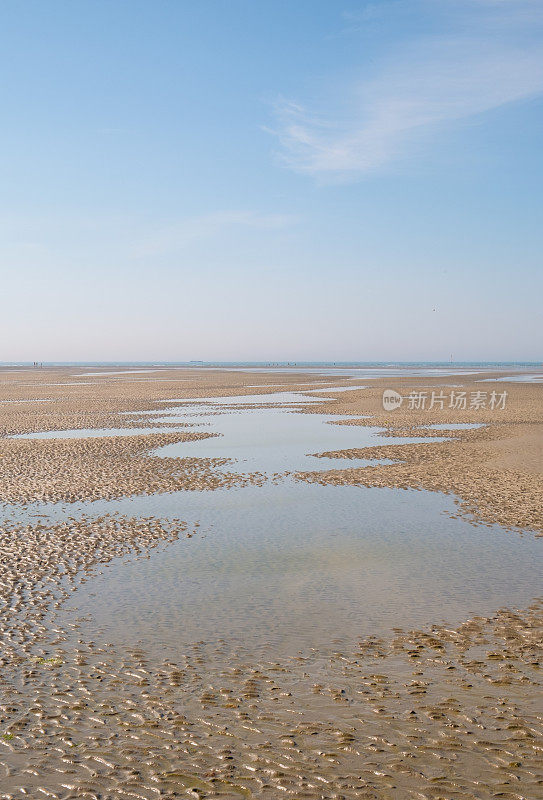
271, 400
440, 710
495, 470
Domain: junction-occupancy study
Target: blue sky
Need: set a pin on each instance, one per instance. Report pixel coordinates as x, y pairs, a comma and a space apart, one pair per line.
261, 180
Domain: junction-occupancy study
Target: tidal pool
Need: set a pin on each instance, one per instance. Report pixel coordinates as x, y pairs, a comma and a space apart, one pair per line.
260, 433
265, 433
296, 566
291, 566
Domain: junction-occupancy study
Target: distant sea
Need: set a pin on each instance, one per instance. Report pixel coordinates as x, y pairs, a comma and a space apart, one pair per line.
305, 364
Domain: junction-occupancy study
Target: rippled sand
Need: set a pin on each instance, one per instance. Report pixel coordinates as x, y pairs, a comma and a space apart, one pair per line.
433, 713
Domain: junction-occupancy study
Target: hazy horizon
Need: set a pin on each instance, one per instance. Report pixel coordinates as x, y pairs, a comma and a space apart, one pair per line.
158, 364
230, 181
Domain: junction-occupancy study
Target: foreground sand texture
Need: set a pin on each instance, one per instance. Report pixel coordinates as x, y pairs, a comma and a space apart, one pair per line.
440, 712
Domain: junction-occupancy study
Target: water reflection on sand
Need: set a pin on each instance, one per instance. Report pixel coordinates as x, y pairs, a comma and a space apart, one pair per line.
291, 565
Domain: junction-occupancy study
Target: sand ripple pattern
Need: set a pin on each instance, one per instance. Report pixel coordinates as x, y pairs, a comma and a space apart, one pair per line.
440, 713
105, 468
435, 714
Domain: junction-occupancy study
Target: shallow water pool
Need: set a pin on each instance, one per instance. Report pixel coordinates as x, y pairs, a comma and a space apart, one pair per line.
295, 566
290, 566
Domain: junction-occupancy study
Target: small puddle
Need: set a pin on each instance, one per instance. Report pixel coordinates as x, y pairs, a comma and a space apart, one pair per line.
536, 378
454, 426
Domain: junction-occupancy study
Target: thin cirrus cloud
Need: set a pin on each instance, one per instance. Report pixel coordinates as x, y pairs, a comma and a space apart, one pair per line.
178, 235
432, 83
50, 239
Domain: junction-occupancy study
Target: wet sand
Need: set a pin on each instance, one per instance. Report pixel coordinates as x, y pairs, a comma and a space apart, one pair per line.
64, 470
496, 471
440, 712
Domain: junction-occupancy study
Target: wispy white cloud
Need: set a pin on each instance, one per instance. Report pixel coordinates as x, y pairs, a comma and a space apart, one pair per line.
121, 238
178, 235
428, 83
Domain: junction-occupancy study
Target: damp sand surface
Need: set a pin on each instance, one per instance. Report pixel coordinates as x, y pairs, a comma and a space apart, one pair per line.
454, 426
283, 640
91, 433
523, 378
